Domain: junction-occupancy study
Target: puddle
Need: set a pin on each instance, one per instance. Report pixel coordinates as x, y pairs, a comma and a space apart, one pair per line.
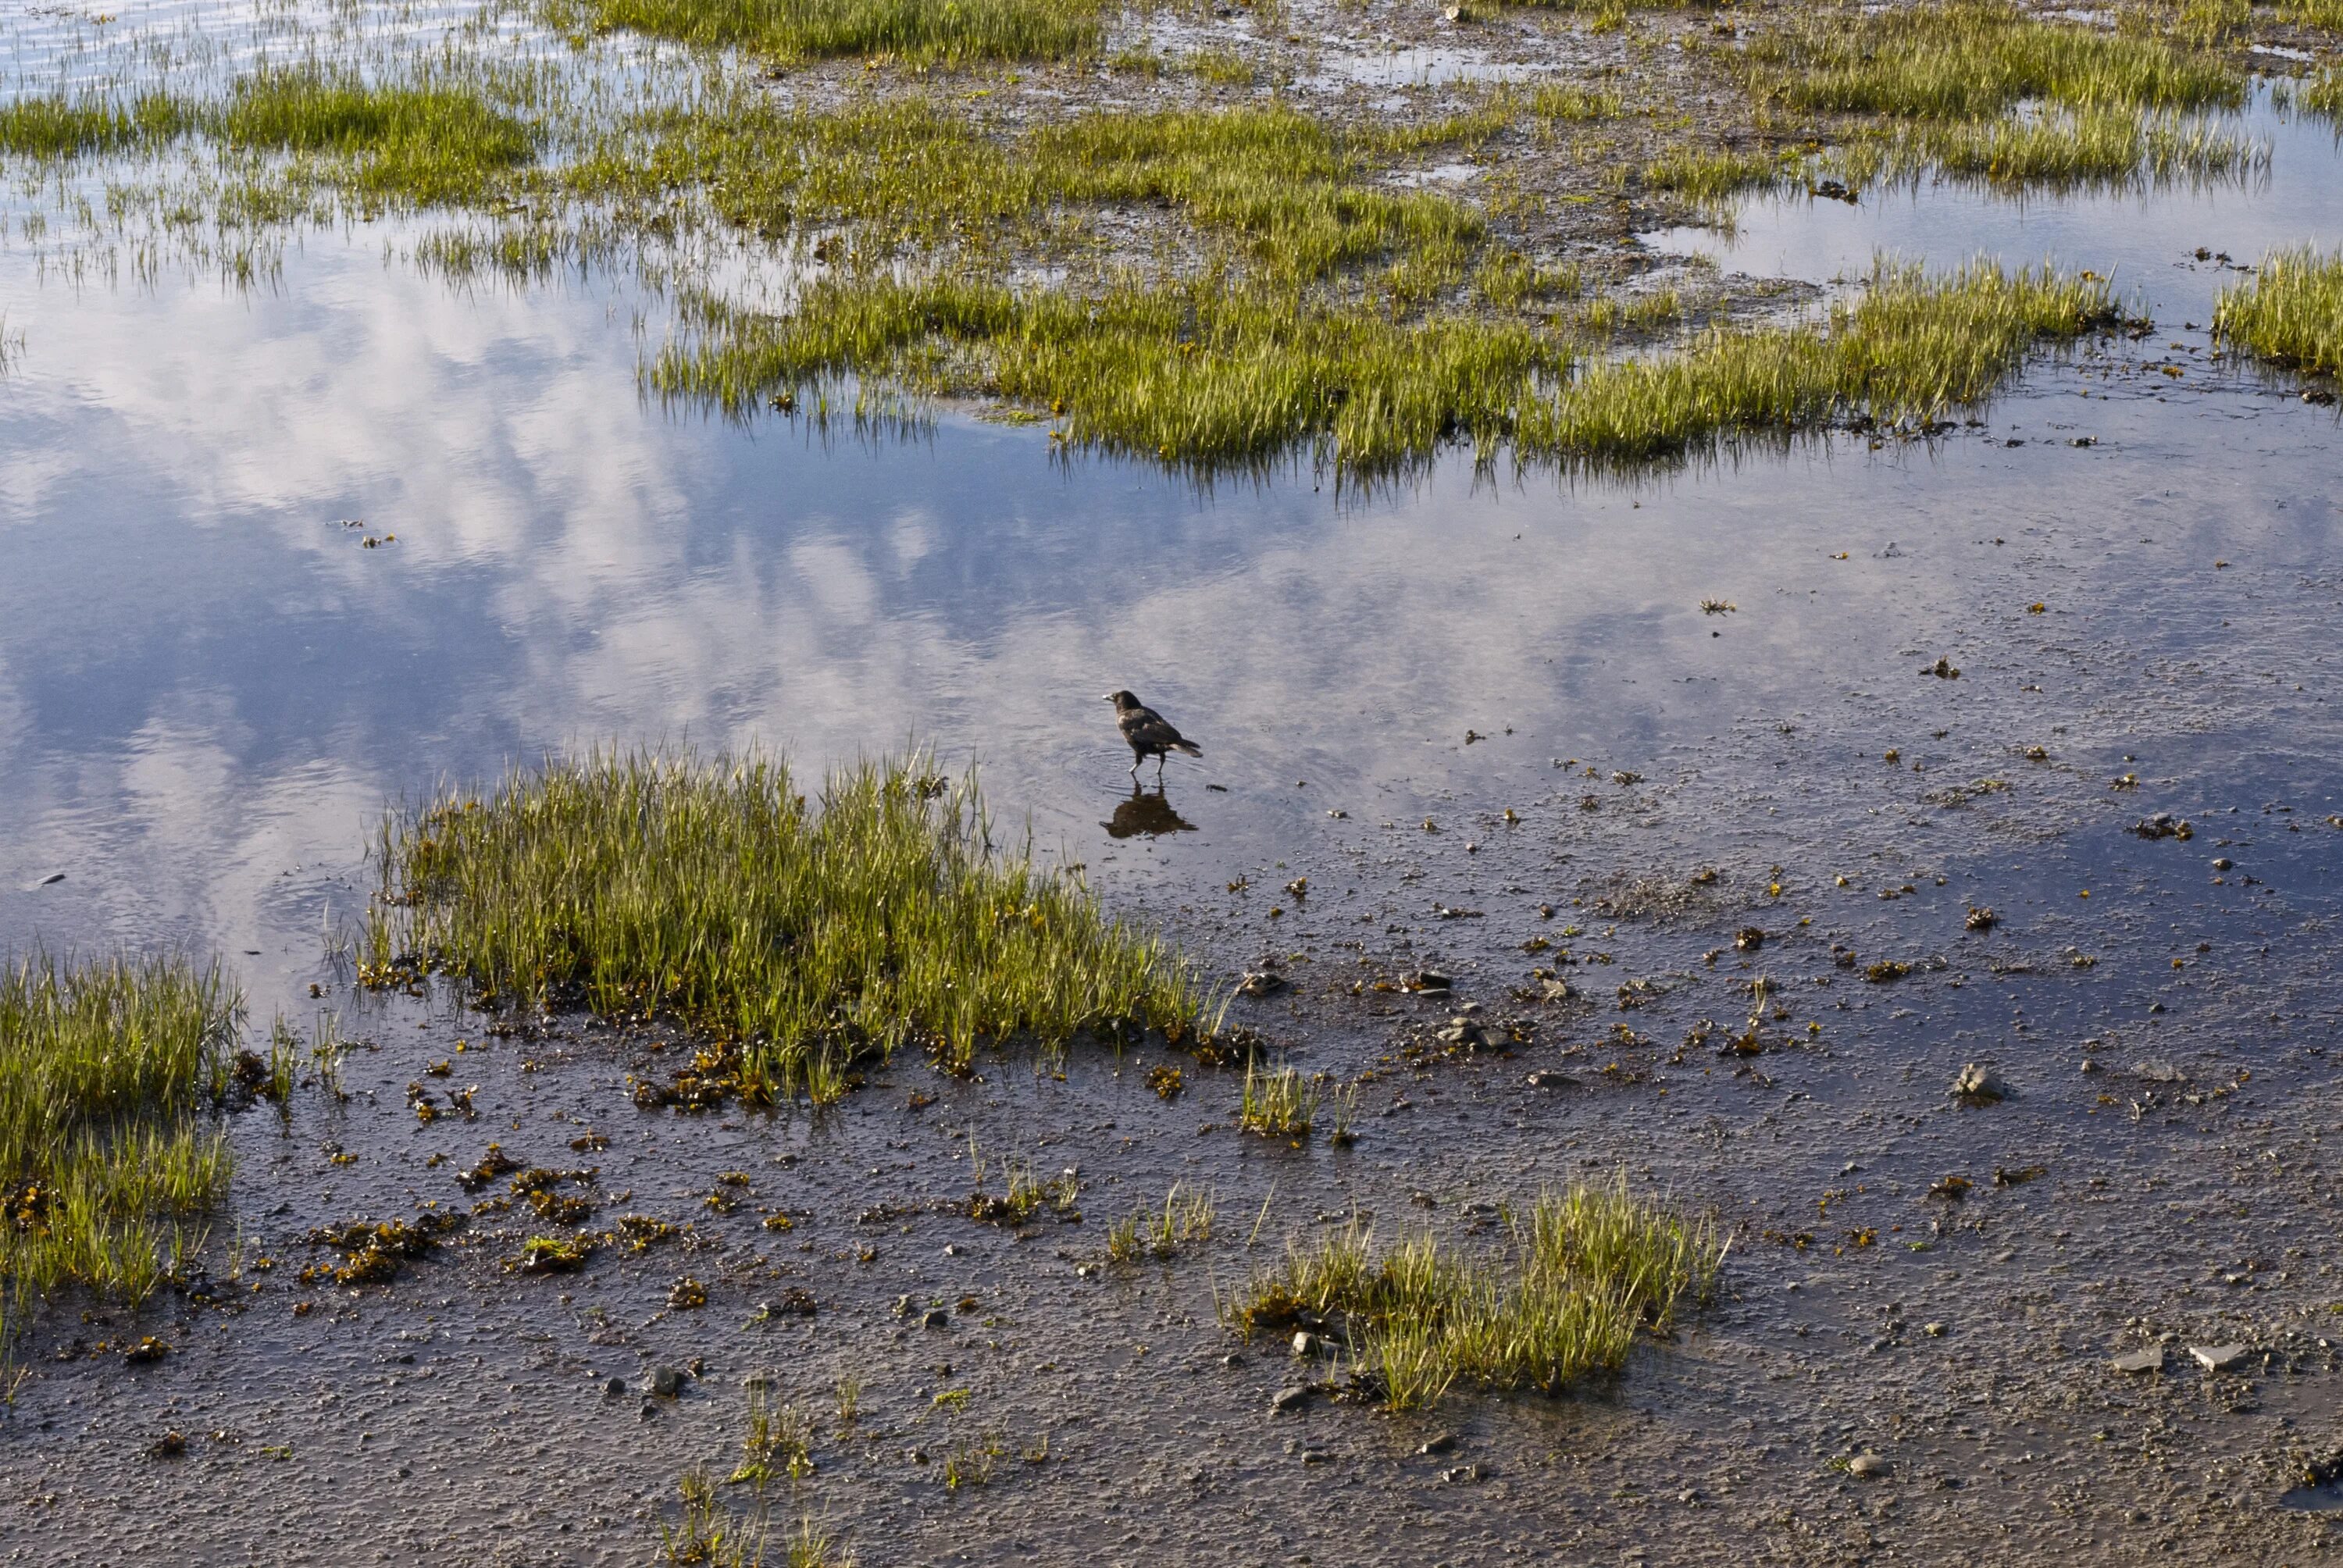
1417, 65
2327, 1497
2147, 243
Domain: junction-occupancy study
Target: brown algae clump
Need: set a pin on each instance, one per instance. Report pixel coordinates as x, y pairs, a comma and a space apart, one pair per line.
374, 1252
1578, 1276
797, 937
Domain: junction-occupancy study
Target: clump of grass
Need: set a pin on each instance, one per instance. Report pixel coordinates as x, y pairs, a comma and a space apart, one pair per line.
921, 31
1911, 348
2323, 93
57, 127
1578, 1276
1027, 1195
972, 1461
779, 1439
2073, 149
1183, 1220
1710, 175
2290, 312
1206, 373
2324, 14
1280, 1103
107, 1068
1966, 59
425, 141
1553, 103
708, 1533
802, 937
1222, 67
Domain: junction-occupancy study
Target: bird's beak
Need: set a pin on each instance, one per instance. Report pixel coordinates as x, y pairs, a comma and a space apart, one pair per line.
1107, 697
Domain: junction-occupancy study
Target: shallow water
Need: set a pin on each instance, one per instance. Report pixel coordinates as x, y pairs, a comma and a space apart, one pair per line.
2146, 241
210, 686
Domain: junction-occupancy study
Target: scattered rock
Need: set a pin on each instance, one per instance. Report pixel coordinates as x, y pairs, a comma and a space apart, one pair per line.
170, 1446
149, 1349
1261, 983
1550, 1077
2219, 1358
1460, 1475
614, 1388
1978, 1085
1444, 1443
1427, 980
1306, 1343
1462, 1031
1289, 1397
2163, 825
935, 1318
2149, 1359
1869, 1465
668, 1382
2160, 1072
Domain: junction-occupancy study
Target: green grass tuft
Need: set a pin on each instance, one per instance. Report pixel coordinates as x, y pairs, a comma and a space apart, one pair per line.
2291, 312
1564, 1298
923, 31
421, 142
643, 884
1966, 59
59, 127
107, 1067
1911, 348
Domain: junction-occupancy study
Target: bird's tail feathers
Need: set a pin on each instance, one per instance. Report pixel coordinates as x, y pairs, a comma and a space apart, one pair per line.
1190, 746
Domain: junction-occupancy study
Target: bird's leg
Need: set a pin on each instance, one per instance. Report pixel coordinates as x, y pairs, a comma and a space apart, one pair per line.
1135, 761
1161, 758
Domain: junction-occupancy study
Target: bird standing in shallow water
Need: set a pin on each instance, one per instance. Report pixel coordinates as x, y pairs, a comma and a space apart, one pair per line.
1148, 733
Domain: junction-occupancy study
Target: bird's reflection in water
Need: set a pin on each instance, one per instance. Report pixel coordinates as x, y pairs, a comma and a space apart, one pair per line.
1147, 813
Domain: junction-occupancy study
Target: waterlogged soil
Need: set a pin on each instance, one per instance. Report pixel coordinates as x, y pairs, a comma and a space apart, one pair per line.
1601, 751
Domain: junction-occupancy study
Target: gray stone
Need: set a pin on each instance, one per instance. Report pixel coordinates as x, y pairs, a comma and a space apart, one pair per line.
1444, 1443
2149, 1360
668, 1382
1979, 1085
1550, 1077
1261, 982
2219, 1358
1289, 1397
935, 1318
1869, 1465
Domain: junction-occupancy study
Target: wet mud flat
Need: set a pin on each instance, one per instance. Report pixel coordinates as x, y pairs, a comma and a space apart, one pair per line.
1913, 1351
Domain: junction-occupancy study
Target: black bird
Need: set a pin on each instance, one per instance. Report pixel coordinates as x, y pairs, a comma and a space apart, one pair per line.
1148, 733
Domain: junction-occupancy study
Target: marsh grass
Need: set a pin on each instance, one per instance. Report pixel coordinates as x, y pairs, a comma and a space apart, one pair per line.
2290, 312
1910, 348
778, 1440
1278, 1102
425, 141
2088, 148
1562, 1298
107, 1162
921, 31
641, 884
1183, 1220
1969, 59
57, 127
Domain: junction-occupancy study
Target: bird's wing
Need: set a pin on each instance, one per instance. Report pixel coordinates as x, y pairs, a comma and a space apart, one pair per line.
1145, 727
